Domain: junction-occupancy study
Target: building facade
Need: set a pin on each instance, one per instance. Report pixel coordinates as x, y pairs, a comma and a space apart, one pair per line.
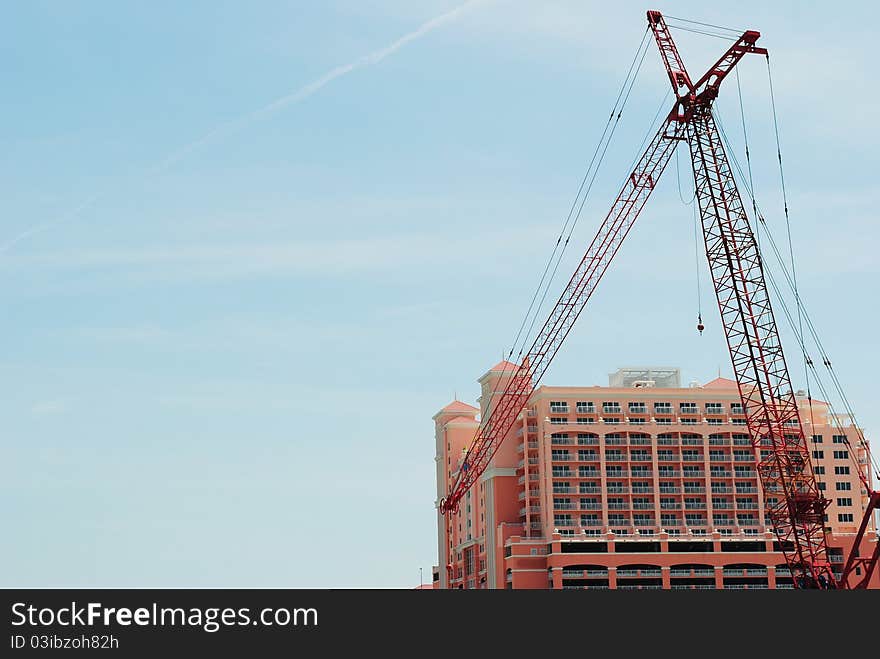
644, 484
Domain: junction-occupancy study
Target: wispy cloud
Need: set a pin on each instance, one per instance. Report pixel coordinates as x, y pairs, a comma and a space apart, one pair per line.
326, 258
50, 407
296, 96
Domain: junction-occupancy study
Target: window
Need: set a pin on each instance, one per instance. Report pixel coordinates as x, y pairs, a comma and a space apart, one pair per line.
609, 407
844, 501
562, 520
821, 486
841, 455
584, 420
819, 470
714, 408
662, 408
841, 471
612, 419
845, 517
585, 407
637, 408
818, 455
562, 503
559, 454
842, 486
663, 422
688, 422
736, 408
558, 420
817, 439
838, 439
688, 408
615, 471
558, 406
738, 422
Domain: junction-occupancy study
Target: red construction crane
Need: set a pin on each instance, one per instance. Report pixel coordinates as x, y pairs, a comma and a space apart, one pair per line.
795, 505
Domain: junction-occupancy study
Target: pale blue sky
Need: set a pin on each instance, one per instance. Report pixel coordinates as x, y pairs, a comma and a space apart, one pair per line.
220, 357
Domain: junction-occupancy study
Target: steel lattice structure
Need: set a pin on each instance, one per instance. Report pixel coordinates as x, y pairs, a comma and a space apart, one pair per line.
794, 504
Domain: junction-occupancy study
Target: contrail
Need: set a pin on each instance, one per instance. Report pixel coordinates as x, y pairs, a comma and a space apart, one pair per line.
278, 104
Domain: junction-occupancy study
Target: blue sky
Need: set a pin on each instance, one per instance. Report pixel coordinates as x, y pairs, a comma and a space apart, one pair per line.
226, 329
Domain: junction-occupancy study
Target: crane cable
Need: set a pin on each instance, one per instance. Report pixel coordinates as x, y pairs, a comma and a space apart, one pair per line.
781, 261
589, 177
791, 252
586, 194
809, 324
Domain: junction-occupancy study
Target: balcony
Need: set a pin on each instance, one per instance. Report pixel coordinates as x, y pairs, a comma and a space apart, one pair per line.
644, 522
720, 473
721, 489
611, 409
585, 409
747, 490
719, 458
590, 490
590, 506
640, 458
641, 489
595, 523
616, 490
695, 506
533, 444
558, 409
694, 490
562, 490
668, 473
560, 457
643, 506
692, 458
618, 506
670, 506
670, 490
723, 522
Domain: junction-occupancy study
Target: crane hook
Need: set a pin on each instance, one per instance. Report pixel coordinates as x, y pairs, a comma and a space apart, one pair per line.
700, 326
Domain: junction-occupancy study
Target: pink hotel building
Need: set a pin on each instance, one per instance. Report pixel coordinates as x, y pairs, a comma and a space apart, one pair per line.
641, 484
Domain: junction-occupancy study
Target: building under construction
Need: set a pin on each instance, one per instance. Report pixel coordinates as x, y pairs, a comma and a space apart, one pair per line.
643, 484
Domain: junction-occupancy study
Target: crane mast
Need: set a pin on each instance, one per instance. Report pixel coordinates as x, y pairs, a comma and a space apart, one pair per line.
794, 505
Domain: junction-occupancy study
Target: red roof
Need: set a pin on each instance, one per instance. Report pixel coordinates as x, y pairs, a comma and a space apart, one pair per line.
504, 365
720, 383
458, 406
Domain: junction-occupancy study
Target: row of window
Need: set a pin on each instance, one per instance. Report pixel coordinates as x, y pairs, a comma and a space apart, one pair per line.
610, 407
835, 439
839, 470
838, 455
660, 421
640, 519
